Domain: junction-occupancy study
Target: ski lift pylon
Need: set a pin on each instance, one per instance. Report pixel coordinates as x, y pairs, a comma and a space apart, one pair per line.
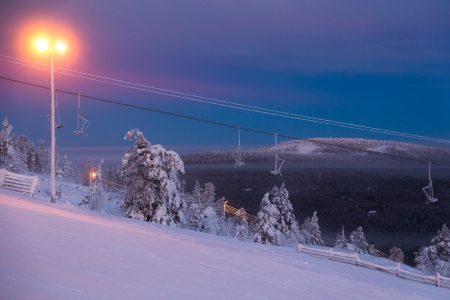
277, 169
82, 123
428, 190
237, 155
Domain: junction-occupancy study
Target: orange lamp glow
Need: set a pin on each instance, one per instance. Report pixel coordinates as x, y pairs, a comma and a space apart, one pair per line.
41, 44
61, 47
93, 175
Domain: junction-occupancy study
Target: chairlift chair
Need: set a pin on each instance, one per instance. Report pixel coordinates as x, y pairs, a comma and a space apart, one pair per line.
428, 190
237, 155
82, 123
277, 170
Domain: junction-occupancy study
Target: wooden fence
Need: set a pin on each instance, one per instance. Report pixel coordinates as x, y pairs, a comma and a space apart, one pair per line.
19, 183
354, 259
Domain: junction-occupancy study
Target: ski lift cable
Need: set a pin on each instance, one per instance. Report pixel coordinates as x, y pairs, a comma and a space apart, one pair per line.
222, 124
223, 101
229, 104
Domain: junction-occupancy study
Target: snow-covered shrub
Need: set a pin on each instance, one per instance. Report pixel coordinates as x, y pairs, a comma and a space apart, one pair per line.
436, 257
210, 221
396, 254
151, 174
358, 241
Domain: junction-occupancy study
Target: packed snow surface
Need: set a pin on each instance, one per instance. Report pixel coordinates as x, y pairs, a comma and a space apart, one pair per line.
58, 251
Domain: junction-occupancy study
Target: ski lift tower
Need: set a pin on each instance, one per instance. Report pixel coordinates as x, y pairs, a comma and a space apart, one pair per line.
51, 46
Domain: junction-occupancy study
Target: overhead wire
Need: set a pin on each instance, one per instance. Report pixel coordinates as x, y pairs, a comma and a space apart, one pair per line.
222, 103
227, 125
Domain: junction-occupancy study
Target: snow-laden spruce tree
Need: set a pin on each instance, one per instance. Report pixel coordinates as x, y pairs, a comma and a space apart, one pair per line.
67, 167
197, 194
436, 257
94, 197
151, 174
286, 222
266, 221
241, 225
196, 219
341, 240
396, 254
33, 161
209, 195
311, 227
43, 158
10, 158
358, 241
5, 141
210, 221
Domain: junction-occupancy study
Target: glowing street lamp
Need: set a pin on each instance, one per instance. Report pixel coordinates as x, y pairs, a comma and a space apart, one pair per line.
46, 45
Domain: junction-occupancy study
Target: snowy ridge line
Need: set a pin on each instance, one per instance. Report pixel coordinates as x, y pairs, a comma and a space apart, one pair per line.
218, 102
20, 183
354, 259
218, 123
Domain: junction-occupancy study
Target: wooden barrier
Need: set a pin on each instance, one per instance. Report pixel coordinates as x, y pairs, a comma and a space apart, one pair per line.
19, 183
354, 259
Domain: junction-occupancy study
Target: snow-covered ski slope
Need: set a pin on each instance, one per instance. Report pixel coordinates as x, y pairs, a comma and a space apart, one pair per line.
58, 251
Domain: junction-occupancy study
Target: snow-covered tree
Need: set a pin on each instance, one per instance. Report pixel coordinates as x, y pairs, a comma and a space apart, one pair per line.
210, 221
286, 222
151, 174
6, 145
267, 217
436, 257
341, 240
196, 220
209, 195
94, 197
311, 227
33, 160
241, 225
10, 157
43, 157
358, 241
396, 254
197, 194
67, 167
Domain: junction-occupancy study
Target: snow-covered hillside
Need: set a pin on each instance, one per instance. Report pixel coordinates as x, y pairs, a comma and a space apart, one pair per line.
328, 148
60, 251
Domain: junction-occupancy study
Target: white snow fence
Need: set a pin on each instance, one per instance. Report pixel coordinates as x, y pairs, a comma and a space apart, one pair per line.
20, 183
354, 259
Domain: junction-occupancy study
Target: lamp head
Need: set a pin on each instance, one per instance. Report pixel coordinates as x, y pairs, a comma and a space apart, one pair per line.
42, 44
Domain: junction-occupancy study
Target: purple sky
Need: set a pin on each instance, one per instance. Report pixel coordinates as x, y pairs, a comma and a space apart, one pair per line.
376, 63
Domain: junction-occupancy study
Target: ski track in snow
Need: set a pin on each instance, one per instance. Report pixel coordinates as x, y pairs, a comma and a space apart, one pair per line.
56, 251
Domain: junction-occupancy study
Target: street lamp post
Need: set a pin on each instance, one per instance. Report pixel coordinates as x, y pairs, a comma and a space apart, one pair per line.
44, 45
52, 130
